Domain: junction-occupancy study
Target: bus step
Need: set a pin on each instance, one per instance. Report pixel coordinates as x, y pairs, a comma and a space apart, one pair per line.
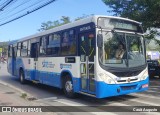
87, 94
35, 81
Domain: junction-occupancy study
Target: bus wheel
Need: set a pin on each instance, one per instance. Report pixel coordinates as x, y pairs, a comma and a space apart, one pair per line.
22, 78
68, 87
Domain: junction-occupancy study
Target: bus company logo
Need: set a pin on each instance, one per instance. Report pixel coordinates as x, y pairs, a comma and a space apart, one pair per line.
85, 28
128, 80
66, 66
21, 109
47, 64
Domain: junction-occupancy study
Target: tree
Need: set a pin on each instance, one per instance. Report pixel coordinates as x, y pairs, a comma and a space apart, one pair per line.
4, 46
84, 16
49, 24
46, 25
145, 11
65, 19
56, 23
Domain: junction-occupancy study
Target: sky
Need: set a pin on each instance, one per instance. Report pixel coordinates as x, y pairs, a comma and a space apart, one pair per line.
30, 24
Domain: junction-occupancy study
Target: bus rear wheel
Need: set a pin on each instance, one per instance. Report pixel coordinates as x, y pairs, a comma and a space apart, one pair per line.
68, 87
22, 77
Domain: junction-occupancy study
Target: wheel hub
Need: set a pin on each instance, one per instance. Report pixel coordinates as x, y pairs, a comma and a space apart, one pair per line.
21, 77
68, 86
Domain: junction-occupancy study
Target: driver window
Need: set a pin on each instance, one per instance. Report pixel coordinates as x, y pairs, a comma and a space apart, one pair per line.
114, 46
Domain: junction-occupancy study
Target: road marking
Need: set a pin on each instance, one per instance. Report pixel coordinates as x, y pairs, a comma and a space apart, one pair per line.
49, 98
146, 96
73, 103
112, 103
109, 104
153, 88
149, 91
141, 101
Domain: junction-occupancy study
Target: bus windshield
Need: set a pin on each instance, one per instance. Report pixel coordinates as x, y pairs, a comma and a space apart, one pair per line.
122, 50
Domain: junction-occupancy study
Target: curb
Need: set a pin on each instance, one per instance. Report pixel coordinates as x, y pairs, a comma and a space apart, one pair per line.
15, 88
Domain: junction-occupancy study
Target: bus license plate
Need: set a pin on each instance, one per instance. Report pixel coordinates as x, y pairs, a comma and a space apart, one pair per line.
145, 85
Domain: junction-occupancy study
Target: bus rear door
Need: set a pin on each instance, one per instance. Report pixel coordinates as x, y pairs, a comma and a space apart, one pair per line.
34, 55
12, 59
14, 70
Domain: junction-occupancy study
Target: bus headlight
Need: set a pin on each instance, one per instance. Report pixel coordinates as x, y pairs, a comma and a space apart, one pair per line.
107, 79
145, 75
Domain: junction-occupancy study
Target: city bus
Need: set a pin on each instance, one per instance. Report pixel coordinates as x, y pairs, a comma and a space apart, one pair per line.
80, 57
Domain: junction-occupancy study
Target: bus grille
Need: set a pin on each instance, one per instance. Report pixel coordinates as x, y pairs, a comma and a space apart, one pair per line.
127, 74
128, 87
126, 80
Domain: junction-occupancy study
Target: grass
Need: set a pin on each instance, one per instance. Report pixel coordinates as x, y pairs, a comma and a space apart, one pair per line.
24, 95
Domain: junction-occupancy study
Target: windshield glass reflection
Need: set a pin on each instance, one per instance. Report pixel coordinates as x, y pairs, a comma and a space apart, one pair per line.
122, 50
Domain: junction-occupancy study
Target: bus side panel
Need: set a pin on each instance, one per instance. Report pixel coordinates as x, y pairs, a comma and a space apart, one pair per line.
76, 84
10, 65
47, 73
30, 69
49, 78
27, 65
50, 69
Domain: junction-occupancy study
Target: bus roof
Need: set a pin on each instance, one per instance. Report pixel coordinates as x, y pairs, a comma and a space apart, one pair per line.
73, 24
12, 42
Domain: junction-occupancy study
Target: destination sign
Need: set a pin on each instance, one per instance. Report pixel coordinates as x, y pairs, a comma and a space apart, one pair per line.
112, 23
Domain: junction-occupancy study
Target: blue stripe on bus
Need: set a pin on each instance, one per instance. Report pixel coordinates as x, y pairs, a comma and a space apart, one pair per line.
107, 90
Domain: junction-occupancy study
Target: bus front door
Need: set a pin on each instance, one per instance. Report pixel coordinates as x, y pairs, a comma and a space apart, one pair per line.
87, 59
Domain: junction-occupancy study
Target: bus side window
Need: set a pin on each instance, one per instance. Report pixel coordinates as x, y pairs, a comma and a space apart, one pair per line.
10, 51
68, 43
34, 50
18, 50
72, 40
53, 47
14, 52
29, 47
65, 43
24, 48
43, 45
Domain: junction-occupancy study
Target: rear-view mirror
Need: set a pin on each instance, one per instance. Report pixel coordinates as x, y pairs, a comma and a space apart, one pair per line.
99, 40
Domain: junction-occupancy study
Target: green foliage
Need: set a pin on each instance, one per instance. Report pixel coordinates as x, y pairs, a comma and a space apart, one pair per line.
4, 46
23, 95
134, 47
64, 20
151, 34
49, 24
84, 16
145, 11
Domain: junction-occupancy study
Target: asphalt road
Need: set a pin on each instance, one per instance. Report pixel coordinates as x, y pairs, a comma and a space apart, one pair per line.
52, 96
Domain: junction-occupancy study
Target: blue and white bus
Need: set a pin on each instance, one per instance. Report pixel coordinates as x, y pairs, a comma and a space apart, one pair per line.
80, 57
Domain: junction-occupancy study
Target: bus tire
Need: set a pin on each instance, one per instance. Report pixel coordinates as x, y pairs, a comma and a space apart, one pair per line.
68, 87
22, 77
